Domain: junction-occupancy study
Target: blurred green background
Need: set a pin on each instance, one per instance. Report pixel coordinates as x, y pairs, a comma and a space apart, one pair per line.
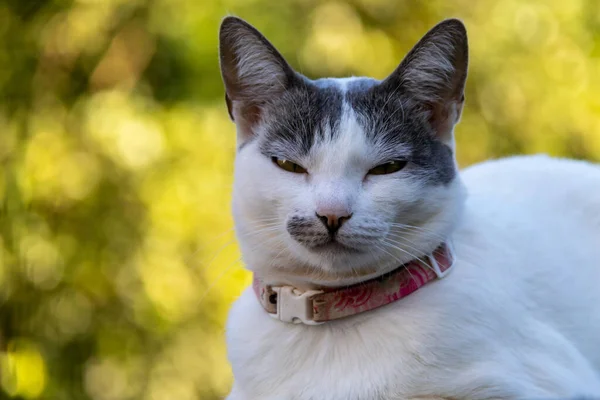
117, 258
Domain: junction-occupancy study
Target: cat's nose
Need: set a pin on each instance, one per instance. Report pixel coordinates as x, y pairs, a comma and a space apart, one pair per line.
333, 221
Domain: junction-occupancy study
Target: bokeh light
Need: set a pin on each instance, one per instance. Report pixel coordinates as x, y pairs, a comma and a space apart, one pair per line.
118, 261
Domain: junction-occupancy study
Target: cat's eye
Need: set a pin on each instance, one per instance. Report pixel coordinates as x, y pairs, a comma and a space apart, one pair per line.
388, 167
288, 165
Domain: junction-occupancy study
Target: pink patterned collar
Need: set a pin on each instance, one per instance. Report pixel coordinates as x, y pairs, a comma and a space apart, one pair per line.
314, 307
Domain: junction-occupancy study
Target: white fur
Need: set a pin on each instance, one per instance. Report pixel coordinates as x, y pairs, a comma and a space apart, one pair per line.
518, 318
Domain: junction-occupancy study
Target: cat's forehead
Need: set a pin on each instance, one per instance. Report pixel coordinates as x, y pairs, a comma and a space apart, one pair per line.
317, 112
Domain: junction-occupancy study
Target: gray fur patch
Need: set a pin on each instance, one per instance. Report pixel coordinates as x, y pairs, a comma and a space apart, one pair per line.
306, 113
392, 120
310, 112
307, 231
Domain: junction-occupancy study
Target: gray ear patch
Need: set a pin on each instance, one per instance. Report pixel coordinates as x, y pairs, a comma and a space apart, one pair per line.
392, 120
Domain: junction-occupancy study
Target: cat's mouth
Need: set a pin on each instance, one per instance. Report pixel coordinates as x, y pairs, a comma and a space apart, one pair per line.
334, 246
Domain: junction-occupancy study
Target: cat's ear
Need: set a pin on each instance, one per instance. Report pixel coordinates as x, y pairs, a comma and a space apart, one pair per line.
434, 73
252, 69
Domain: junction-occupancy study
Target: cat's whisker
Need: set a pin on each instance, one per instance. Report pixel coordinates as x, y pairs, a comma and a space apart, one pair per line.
397, 237
400, 243
230, 230
273, 218
200, 248
260, 227
277, 256
260, 231
396, 258
416, 229
266, 243
403, 236
218, 279
264, 221
395, 245
401, 225
400, 235
206, 265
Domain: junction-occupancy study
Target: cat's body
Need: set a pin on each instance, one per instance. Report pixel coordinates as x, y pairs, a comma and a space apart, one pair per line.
518, 318
372, 184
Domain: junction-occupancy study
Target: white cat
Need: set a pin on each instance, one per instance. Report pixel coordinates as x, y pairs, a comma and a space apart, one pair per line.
341, 181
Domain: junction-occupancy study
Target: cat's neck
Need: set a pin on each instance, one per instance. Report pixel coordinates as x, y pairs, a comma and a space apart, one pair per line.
322, 280
309, 278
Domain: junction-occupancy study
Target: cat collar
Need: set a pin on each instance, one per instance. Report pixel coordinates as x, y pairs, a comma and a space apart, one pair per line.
314, 307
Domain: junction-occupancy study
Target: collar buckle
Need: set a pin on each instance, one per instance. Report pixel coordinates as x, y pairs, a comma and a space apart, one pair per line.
295, 306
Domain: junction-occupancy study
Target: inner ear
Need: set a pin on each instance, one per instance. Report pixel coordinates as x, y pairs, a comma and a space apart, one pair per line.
443, 115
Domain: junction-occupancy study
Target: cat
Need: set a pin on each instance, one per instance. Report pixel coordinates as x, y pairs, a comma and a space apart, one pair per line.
342, 183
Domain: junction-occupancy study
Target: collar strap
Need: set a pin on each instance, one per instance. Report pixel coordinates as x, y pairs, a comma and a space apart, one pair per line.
314, 307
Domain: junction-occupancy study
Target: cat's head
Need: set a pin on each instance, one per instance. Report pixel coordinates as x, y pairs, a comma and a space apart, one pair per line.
341, 179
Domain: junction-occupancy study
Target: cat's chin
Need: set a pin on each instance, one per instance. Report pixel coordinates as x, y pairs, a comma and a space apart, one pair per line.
335, 264
341, 270
334, 248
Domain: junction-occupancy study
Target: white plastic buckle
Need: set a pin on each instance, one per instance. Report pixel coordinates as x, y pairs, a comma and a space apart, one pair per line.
295, 306
436, 267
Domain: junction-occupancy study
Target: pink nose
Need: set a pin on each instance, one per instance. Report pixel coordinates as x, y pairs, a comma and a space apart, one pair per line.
333, 222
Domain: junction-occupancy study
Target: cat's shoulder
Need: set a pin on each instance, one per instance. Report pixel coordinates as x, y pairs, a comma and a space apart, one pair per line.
541, 165
533, 175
